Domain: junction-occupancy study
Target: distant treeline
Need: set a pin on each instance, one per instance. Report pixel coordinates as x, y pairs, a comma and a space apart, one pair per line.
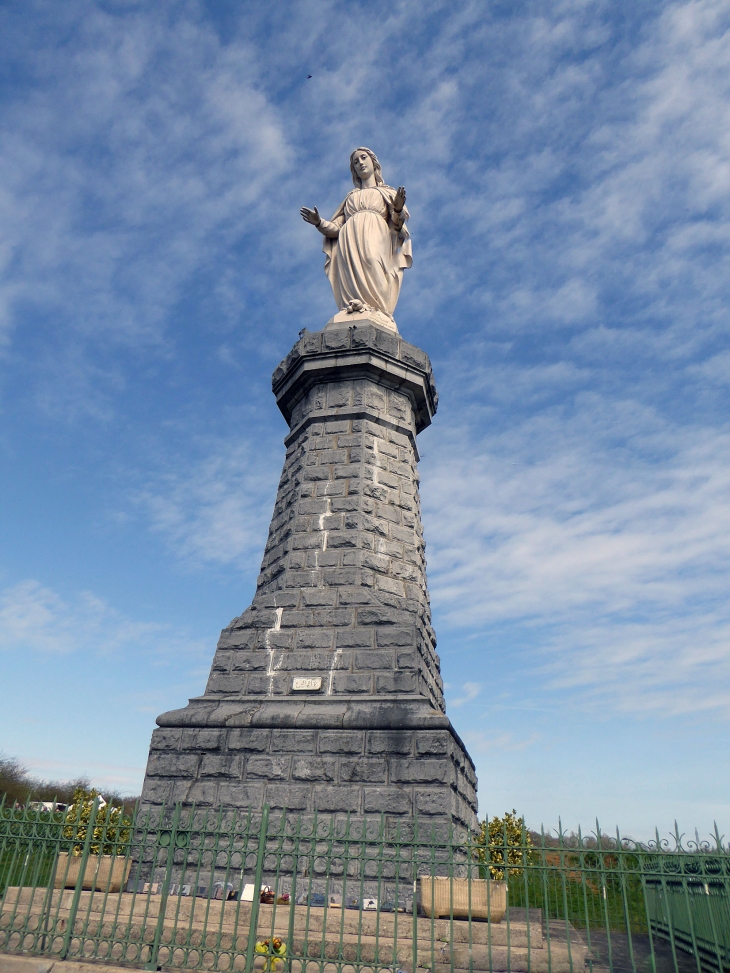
19, 786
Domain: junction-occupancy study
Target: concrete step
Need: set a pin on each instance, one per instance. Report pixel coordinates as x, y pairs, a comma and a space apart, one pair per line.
127, 907
327, 937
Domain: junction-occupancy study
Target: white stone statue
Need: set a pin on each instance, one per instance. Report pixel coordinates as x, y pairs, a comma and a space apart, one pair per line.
366, 244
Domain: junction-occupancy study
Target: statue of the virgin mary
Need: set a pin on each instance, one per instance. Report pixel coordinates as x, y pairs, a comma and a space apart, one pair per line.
366, 244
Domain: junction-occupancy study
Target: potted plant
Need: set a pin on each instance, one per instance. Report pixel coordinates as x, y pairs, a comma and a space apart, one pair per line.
463, 898
502, 846
107, 866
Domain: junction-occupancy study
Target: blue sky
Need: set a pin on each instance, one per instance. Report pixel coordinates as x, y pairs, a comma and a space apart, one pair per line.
568, 176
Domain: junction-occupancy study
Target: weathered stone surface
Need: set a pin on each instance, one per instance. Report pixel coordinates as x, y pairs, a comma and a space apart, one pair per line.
341, 597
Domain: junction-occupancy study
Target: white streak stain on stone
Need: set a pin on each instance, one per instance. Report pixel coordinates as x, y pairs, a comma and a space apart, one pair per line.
337, 653
321, 523
271, 668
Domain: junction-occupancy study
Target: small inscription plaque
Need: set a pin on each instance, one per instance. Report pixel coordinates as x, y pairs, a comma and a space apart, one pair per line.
306, 683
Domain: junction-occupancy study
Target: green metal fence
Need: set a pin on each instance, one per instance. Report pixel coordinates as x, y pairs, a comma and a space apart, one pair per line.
193, 888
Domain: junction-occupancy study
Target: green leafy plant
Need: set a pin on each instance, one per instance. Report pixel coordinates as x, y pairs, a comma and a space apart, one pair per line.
503, 842
111, 826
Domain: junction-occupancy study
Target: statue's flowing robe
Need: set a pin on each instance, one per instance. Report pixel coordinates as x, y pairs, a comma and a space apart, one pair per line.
365, 262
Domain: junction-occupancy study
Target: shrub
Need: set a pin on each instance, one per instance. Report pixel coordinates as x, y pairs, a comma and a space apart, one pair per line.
111, 826
504, 841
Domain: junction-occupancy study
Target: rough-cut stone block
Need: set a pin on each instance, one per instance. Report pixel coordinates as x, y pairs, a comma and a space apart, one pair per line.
199, 739
352, 684
314, 768
310, 343
396, 682
267, 685
366, 769
373, 659
253, 740
335, 339
387, 341
341, 741
221, 765
421, 771
326, 617
236, 639
396, 636
204, 793
307, 542
157, 790
288, 796
412, 355
223, 682
390, 742
252, 660
241, 795
378, 616
339, 394
363, 336
438, 743
356, 596
315, 638
432, 802
390, 585
338, 539
293, 741
387, 800
376, 562
354, 638
339, 576
271, 767
298, 619
341, 798
164, 739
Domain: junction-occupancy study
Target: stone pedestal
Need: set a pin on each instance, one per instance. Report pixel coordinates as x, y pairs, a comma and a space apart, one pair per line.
326, 693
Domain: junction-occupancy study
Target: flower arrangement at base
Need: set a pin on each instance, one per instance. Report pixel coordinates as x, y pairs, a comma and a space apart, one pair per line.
274, 950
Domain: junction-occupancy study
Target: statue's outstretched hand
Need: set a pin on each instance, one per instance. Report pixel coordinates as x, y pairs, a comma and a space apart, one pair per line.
400, 199
311, 215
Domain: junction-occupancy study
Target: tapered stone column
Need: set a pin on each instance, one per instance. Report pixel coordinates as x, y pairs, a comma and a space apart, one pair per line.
326, 693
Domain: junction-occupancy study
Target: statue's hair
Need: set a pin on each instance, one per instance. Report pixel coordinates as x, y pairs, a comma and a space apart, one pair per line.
376, 165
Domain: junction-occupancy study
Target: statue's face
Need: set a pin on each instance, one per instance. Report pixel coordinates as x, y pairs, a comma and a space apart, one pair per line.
363, 165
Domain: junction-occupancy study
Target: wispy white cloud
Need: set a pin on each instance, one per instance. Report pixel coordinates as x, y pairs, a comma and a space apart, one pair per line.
215, 510
608, 542
470, 691
130, 167
36, 619
479, 742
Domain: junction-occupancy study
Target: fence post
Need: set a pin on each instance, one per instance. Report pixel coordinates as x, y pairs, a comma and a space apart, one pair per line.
253, 924
152, 962
80, 880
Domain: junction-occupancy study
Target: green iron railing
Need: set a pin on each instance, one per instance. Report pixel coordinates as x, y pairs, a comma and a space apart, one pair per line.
196, 888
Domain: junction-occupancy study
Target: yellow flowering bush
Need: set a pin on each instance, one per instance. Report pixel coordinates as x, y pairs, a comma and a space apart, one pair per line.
504, 842
111, 826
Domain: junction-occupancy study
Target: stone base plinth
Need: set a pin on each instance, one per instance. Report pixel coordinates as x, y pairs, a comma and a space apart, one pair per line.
403, 759
326, 694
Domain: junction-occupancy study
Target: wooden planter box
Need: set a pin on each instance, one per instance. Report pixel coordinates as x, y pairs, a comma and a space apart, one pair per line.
444, 897
106, 873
